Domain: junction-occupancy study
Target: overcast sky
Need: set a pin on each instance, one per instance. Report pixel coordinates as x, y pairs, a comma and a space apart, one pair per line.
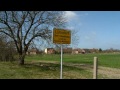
96, 29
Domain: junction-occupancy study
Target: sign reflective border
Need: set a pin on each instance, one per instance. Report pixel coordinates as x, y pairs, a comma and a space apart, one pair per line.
61, 36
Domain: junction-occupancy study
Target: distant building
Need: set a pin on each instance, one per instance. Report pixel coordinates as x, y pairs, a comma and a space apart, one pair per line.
86, 50
93, 50
32, 51
78, 51
49, 51
67, 50
83, 51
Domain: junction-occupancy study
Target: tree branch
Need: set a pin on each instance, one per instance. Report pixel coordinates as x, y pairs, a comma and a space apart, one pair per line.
31, 24
6, 33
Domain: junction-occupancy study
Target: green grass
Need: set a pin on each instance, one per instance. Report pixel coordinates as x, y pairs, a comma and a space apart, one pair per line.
107, 60
40, 71
34, 68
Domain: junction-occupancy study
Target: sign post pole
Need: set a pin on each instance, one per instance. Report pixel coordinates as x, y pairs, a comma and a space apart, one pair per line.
61, 36
61, 62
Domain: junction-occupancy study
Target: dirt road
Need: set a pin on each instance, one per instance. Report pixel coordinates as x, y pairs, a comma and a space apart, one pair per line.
104, 72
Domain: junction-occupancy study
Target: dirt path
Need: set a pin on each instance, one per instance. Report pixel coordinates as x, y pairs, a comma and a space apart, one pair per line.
105, 72
111, 73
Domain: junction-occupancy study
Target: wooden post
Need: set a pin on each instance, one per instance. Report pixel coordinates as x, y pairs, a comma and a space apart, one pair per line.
95, 68
61, 62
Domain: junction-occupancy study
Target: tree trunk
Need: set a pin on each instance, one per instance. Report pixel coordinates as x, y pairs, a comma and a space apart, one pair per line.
21, 59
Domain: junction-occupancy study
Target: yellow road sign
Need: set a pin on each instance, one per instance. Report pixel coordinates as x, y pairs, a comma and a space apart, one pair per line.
61, 36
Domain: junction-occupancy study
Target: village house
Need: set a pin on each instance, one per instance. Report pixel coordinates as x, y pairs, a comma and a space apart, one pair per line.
49, 51
32, 51
67, 50
86, 50
78, 51
93, 50
75, 51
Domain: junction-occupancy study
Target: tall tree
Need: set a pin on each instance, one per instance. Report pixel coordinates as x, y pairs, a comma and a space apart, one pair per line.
26, 26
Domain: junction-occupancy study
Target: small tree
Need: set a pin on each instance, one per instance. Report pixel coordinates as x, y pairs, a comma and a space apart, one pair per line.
7, 49
100, 50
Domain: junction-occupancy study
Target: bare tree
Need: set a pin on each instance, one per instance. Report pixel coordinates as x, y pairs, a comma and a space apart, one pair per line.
75, 37
26, 26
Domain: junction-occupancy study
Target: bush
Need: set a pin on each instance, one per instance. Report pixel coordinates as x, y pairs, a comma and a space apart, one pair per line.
7, 50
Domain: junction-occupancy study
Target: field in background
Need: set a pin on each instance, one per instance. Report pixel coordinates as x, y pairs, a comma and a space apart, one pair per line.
74, 67
104, 59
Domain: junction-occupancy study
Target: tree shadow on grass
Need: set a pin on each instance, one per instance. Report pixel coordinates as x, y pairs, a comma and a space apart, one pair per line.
50, 66
42, 66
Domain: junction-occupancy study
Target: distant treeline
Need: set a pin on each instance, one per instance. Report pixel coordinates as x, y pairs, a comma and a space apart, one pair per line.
7, 49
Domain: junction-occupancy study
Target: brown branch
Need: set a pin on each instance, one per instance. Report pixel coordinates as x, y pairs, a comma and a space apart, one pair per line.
6, 33
31, 24
11, 31
13, 15
6, 16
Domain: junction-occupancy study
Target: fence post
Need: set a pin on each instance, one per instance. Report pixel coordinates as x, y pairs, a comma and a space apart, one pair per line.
95, 68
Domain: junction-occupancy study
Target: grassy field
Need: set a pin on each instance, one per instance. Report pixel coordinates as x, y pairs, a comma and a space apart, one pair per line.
40, 71
107, 60
74, 67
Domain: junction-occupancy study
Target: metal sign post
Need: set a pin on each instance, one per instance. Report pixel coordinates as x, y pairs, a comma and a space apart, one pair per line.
61, 63
61, 36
